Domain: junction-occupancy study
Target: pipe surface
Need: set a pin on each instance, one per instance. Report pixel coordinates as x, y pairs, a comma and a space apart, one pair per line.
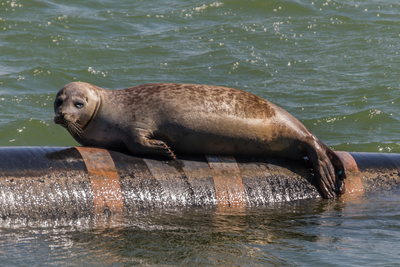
59, 182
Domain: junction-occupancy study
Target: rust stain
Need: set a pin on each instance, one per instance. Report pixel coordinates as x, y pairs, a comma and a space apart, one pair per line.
228, 182
353, 183
104, 180
350, 164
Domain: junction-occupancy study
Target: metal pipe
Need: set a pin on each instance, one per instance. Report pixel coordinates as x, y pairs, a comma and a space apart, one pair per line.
60, 182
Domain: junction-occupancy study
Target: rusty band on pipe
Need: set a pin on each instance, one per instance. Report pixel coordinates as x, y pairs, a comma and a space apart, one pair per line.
353, 182
228, 181
104, 179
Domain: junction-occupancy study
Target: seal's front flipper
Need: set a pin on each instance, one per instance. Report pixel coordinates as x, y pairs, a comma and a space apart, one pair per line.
158, 147
142, 144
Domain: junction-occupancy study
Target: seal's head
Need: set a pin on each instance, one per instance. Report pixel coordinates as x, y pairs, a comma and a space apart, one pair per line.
75, 105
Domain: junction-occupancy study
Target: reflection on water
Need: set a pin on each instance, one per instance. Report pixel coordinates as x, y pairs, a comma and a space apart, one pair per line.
311, 232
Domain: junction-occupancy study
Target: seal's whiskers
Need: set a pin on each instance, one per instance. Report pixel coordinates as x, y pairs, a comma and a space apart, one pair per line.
74, 128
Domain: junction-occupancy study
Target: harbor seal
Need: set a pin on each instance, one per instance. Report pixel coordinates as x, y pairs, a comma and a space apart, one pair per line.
154, 119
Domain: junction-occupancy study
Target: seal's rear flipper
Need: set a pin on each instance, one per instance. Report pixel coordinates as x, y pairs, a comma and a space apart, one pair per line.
328, 168
324, 175
340, 172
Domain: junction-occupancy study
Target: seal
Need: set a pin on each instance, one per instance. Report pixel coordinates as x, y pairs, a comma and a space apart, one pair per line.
154, 119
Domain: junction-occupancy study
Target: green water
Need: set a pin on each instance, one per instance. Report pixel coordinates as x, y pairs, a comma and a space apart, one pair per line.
333, 64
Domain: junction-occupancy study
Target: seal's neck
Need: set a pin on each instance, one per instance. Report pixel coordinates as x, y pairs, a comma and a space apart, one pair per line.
96, 109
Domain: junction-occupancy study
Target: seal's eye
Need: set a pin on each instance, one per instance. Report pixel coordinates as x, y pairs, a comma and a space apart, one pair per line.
59, 102
79, 105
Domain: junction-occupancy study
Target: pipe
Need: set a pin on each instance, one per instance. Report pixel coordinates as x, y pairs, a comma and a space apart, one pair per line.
370, 172
60, 182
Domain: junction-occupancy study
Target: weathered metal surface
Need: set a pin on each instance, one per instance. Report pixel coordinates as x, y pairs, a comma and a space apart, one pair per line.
57, 182
104, 179
40, 182
353, 183
227, 181
378, 171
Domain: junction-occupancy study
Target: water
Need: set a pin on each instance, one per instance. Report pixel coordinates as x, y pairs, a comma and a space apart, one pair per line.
358, 232
332, 64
